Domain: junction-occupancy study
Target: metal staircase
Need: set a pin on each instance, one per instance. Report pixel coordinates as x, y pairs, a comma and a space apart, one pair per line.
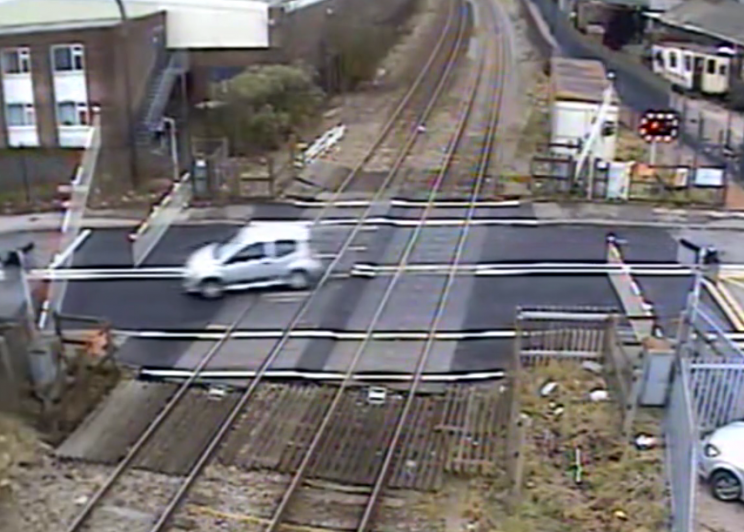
165, 74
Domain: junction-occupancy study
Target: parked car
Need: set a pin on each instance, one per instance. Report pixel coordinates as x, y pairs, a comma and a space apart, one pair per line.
259, 255
722, 462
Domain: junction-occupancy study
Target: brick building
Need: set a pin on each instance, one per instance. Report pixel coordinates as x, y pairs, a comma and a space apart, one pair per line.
64, 61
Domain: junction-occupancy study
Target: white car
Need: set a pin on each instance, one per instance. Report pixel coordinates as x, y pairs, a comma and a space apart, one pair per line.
259, 255
722, 462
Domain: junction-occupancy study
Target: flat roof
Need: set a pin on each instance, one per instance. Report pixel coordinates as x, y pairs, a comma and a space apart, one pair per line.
28, 16
695, 47
578, 79
721, 19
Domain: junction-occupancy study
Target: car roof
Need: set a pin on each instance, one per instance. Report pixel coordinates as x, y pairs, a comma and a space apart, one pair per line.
273, 231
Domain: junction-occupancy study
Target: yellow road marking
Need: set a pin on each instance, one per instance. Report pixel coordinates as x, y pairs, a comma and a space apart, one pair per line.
734, 304
716, 292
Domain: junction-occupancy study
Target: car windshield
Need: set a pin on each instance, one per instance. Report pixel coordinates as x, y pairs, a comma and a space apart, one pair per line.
224, 246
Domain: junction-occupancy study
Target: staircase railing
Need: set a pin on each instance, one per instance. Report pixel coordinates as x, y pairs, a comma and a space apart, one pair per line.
164, 76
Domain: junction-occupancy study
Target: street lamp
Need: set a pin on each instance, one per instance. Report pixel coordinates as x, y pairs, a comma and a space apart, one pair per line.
128, 93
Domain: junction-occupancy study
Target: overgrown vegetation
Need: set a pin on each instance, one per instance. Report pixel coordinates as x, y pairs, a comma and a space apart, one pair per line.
616, 488
630, 146
260, 108
362, 39
357, 60
17, 444
535, 136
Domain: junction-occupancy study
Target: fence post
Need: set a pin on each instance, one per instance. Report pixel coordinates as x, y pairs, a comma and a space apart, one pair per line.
8, 388
512, 439
515, 494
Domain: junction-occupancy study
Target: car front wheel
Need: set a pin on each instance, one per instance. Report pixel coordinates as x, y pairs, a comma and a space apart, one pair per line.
211, 289
725, 486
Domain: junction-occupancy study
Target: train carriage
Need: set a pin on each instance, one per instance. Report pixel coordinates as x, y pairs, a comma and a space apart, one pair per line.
694, 68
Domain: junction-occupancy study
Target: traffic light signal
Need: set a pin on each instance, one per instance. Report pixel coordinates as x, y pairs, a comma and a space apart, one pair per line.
659, 126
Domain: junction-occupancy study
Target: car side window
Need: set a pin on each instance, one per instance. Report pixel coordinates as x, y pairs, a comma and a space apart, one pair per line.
285, 247
252, 252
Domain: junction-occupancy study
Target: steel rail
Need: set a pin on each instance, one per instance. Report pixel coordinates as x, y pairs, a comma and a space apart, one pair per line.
483, 166
276, 519
265, 365
82, 517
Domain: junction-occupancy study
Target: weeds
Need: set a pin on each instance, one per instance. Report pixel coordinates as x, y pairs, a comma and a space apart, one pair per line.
579, 475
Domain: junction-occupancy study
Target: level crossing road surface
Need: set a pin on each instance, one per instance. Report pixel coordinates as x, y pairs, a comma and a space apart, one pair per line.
476, 303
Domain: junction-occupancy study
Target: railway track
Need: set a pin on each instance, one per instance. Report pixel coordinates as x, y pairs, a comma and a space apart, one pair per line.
489, 77
86, 519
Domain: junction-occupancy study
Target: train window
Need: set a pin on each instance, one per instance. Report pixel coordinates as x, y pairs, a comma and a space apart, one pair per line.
659, 57
711, 66
688, 63
672, 59
722, 69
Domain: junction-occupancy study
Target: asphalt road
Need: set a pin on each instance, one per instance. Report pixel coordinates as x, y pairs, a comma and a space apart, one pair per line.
348, 304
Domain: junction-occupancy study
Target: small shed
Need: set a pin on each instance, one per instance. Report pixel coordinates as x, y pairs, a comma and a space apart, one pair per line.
576, 93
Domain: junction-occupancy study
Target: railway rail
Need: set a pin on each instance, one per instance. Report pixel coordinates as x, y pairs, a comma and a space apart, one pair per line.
455, 20
385, 460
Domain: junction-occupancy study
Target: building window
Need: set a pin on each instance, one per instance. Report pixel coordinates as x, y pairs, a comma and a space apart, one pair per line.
68, 58
16, 61
20, 115
71, 114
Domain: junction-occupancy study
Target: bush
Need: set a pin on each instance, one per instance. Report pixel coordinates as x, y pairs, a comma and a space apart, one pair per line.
263, 106
357, 60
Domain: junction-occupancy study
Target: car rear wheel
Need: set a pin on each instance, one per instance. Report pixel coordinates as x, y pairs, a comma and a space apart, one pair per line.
725, 486
211, 289
298, 280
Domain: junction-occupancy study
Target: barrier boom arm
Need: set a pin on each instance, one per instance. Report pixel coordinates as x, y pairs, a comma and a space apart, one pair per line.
596, 129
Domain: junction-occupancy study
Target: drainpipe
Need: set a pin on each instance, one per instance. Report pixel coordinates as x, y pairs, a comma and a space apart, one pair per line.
128, 94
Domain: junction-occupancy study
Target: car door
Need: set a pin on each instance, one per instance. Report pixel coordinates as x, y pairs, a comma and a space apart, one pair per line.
251, 264
284, 254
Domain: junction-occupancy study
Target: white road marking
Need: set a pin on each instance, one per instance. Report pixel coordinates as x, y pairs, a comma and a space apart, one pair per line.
292, 374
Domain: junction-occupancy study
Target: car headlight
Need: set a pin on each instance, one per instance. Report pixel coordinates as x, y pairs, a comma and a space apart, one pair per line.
711, 451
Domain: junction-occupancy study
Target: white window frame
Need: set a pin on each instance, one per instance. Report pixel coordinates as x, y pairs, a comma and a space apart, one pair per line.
77, 52
29, 115
81, 110
24, 61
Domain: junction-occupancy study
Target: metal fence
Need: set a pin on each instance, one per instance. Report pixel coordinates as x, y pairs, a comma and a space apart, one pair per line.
580, 334
681, 449
706, 392
161, 217
571, 336
716, 373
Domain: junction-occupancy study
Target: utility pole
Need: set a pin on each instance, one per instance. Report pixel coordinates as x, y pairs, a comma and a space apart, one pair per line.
699, 144
131, 137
